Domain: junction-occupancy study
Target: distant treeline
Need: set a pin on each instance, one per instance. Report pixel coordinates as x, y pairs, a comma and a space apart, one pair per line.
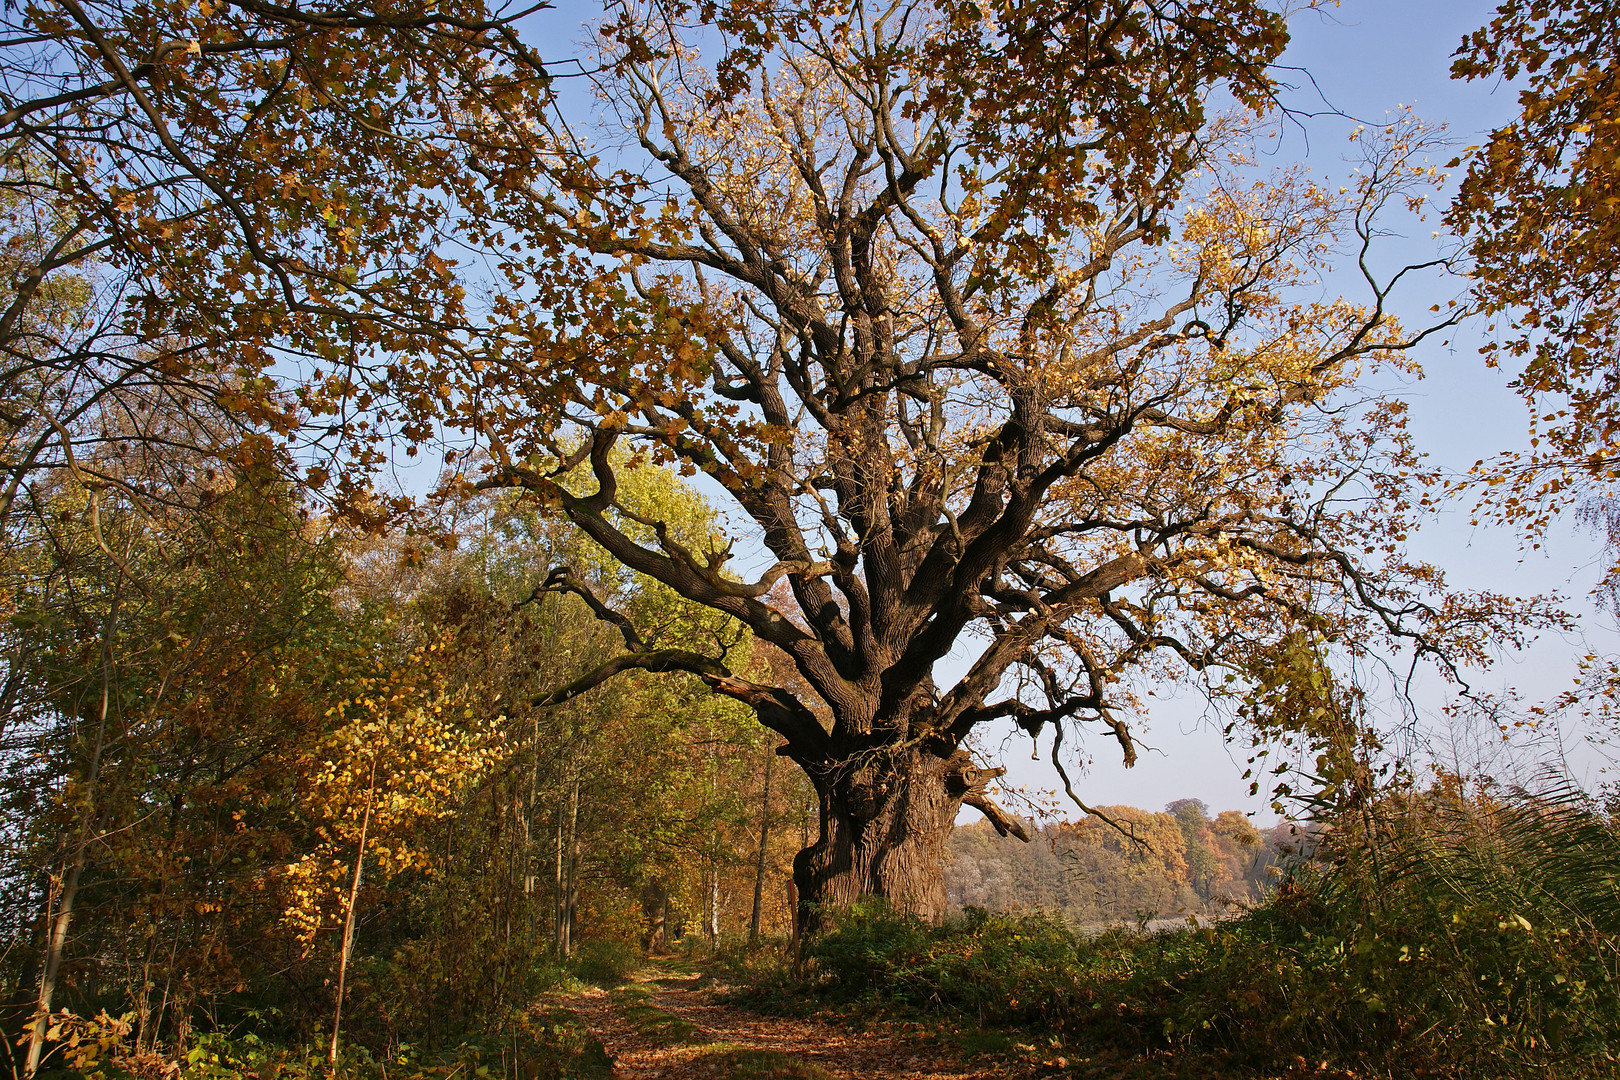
1178, 862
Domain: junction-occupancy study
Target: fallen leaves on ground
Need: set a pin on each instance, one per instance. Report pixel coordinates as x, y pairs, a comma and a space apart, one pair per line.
724, 1041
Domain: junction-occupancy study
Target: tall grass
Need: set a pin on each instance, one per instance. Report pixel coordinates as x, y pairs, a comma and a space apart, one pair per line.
1448, 933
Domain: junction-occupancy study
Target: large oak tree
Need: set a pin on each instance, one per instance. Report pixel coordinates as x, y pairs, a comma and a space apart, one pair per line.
982, 321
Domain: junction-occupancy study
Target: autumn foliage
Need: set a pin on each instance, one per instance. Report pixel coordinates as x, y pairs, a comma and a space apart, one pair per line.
219, 716
965, 367
462, 529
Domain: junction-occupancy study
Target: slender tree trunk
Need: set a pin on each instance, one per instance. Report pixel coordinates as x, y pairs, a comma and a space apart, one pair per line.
764, 837
67, 894
571, 894
518, 861
348, 917
54, 950
714, 906
182, 1018
168, 983
143, 1005
559, 927
531, 875
504, 900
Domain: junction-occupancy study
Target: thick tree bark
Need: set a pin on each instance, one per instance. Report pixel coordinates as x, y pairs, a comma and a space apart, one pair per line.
884, 825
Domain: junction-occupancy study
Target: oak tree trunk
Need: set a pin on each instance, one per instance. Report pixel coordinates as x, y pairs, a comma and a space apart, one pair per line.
884, 826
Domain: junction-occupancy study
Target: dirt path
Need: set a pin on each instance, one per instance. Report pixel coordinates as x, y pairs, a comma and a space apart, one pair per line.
671, 1028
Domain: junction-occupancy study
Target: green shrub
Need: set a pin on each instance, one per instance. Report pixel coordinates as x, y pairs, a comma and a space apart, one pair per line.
1466, 936
605, 963
547, 1044
999, 968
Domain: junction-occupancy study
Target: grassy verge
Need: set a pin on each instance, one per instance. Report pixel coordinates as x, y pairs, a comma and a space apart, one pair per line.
1479, 948
740, 1063
659, 1026
635, 1003
542, 1044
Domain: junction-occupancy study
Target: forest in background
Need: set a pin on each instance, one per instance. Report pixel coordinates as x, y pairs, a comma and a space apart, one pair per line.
252, 758
1174, 863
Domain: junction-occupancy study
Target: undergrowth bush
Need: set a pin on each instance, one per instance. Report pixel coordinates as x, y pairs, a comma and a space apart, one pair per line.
538, 1044
604, 963
999, 968
1465, 936
427, 996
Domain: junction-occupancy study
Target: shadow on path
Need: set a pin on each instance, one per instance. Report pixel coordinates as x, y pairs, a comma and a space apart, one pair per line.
667, 1026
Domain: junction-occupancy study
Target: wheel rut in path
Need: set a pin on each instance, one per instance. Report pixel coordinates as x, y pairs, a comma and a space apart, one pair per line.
711, 1040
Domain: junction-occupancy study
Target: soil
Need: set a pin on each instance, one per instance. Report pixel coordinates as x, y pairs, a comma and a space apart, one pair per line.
724, 1040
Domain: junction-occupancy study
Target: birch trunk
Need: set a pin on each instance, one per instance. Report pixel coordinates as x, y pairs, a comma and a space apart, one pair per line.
764, 837
348, 917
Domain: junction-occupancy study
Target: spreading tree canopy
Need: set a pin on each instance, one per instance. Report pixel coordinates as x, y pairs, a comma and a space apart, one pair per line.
980, 318
1539, 207
985, 325
232, 209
